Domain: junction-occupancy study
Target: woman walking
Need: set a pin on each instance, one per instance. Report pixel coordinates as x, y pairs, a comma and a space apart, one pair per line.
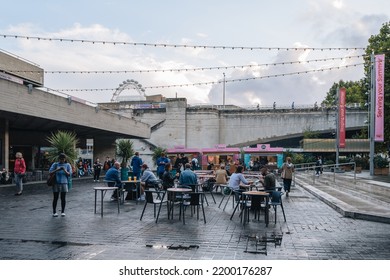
287, 174
19, 172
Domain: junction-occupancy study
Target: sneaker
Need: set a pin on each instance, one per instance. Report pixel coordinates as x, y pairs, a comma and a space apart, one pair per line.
62, 214
141, 198
55, 215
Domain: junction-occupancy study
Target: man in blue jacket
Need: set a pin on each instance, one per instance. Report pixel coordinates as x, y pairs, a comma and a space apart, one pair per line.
136, 163
161, 161
114, 177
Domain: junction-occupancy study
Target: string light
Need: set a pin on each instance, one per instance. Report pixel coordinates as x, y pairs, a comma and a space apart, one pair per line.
184, 69
115, 43
227, 81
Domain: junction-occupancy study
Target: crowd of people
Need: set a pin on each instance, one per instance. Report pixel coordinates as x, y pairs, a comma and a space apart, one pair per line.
168, 175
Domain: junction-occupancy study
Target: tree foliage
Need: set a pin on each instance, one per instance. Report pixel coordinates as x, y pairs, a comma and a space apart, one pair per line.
359, 91
355, 93
63, 142
380, 44
124, 150
157, 153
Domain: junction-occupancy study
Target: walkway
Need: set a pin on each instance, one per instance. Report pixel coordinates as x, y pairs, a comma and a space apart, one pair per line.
314, 231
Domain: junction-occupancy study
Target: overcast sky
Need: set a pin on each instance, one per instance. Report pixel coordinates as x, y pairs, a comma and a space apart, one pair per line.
226, 23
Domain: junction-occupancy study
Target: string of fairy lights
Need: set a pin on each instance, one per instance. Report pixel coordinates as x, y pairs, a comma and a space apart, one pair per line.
222, 81
208, 83
254, 65
164, 45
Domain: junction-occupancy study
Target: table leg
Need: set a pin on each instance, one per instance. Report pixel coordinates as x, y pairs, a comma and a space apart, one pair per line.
266, 212
101, 203
95, 199
119, 195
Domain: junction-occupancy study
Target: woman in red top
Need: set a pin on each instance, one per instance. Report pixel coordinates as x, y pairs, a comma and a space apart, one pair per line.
19, 171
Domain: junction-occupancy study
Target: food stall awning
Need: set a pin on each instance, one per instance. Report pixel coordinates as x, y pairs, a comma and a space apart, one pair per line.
183, 150
221, 150
263, 149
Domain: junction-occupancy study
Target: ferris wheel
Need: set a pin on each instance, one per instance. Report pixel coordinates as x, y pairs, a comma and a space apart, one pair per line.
128, 84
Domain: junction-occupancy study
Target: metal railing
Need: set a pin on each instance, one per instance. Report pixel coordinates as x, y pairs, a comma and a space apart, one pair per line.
333, 168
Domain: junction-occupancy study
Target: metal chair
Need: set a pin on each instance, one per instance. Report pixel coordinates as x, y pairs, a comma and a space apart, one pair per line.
208, 187
151, 199
276, 200
195, 199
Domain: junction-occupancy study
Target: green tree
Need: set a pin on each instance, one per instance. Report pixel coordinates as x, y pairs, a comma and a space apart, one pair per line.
380, 44
124, 150
63, 142
355, 93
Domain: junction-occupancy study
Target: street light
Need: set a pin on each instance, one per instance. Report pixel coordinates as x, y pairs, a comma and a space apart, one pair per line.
224, 81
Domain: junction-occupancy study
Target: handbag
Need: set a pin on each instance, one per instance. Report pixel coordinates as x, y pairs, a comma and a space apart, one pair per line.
51, 180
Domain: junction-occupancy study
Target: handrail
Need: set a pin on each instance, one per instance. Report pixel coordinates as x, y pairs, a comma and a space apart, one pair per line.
334, 166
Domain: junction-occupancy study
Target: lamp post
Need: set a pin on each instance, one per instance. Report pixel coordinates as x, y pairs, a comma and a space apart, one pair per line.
223, 100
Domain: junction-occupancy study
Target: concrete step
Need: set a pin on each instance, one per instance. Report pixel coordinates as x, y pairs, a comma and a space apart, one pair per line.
349, 198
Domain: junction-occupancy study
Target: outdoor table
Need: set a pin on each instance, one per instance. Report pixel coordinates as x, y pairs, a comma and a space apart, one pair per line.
171, 198
129, 185
103, 190
261, 194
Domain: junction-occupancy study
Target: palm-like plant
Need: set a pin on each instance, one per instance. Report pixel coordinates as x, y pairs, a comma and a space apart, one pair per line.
124, 150
157, 153
63, 142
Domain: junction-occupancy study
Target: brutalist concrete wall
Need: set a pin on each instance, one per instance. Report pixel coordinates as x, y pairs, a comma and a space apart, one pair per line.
21, 68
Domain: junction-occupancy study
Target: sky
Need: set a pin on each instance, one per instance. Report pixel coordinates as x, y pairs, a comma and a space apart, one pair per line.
255, 50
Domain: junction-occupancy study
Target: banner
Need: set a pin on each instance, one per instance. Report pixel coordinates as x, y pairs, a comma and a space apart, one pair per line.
342, 97
379, 97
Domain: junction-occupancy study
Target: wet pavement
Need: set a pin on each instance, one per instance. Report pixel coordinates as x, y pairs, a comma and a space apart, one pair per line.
313, 231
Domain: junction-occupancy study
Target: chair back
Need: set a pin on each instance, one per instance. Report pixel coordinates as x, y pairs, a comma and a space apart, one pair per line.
195, 198
257, 202
276, 197
149, 196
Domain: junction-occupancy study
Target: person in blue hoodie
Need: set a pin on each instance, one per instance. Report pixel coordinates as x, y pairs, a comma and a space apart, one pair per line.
136, 164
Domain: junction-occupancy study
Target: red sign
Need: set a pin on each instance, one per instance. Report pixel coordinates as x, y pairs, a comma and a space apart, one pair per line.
342, 97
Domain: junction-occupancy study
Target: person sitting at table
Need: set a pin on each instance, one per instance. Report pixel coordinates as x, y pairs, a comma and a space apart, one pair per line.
168, 179
114, 177
269, 180
148, 179
188, 177
237, 179
221, 175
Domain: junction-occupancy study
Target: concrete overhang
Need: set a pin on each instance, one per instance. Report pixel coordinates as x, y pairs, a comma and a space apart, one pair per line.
31, 109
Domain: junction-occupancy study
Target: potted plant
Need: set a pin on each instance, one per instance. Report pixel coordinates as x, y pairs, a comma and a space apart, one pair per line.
381, 165
124, 150
63, 142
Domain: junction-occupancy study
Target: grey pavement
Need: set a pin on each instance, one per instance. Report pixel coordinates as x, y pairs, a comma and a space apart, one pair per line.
315, 230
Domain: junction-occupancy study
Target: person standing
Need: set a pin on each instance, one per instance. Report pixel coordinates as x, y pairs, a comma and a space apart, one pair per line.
136, 164
97, 168
63, 171
318, 166
161, 161
287, 174
19, 172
